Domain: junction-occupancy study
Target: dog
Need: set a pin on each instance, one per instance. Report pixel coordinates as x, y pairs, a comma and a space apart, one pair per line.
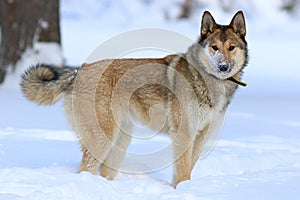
183, 95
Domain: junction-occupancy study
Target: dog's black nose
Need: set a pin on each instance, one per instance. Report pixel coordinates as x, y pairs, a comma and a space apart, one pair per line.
223, 67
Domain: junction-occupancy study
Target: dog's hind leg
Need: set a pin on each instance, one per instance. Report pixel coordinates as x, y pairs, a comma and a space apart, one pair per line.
89, 162
113, 161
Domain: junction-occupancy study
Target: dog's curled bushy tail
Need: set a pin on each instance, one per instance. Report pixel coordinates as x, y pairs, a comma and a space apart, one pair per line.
46, 84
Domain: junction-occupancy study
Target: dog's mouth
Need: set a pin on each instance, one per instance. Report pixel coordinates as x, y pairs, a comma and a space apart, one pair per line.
237, 81
225, 68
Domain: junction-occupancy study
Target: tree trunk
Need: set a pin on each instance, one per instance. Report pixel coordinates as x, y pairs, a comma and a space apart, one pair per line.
23, 22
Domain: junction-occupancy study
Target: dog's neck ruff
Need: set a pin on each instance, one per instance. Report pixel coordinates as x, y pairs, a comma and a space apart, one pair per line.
237, 81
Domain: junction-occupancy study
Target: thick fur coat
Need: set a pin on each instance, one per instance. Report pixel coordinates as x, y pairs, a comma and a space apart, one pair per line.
183, 95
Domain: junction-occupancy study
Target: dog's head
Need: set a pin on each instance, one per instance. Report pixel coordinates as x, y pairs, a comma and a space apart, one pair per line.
223, 49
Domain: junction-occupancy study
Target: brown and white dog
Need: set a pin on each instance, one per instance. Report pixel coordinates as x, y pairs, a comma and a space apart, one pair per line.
184, 95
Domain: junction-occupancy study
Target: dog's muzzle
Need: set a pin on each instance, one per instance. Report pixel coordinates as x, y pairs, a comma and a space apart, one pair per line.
223, 67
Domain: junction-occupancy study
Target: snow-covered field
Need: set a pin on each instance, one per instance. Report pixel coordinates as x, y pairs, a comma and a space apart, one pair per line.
256, 157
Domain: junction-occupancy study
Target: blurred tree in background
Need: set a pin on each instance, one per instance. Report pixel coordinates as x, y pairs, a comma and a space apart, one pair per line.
187, 6
290, 5
22, 23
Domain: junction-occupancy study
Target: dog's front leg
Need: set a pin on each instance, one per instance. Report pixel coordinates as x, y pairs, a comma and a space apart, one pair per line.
182, 152
198, 145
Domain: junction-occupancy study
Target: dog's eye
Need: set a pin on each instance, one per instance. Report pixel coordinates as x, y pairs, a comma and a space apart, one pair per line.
231, 48
214, 47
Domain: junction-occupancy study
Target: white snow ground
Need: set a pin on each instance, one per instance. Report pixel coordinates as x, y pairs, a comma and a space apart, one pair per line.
257, 156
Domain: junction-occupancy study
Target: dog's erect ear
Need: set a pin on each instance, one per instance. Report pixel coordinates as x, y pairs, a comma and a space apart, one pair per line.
208, 24
238, 24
